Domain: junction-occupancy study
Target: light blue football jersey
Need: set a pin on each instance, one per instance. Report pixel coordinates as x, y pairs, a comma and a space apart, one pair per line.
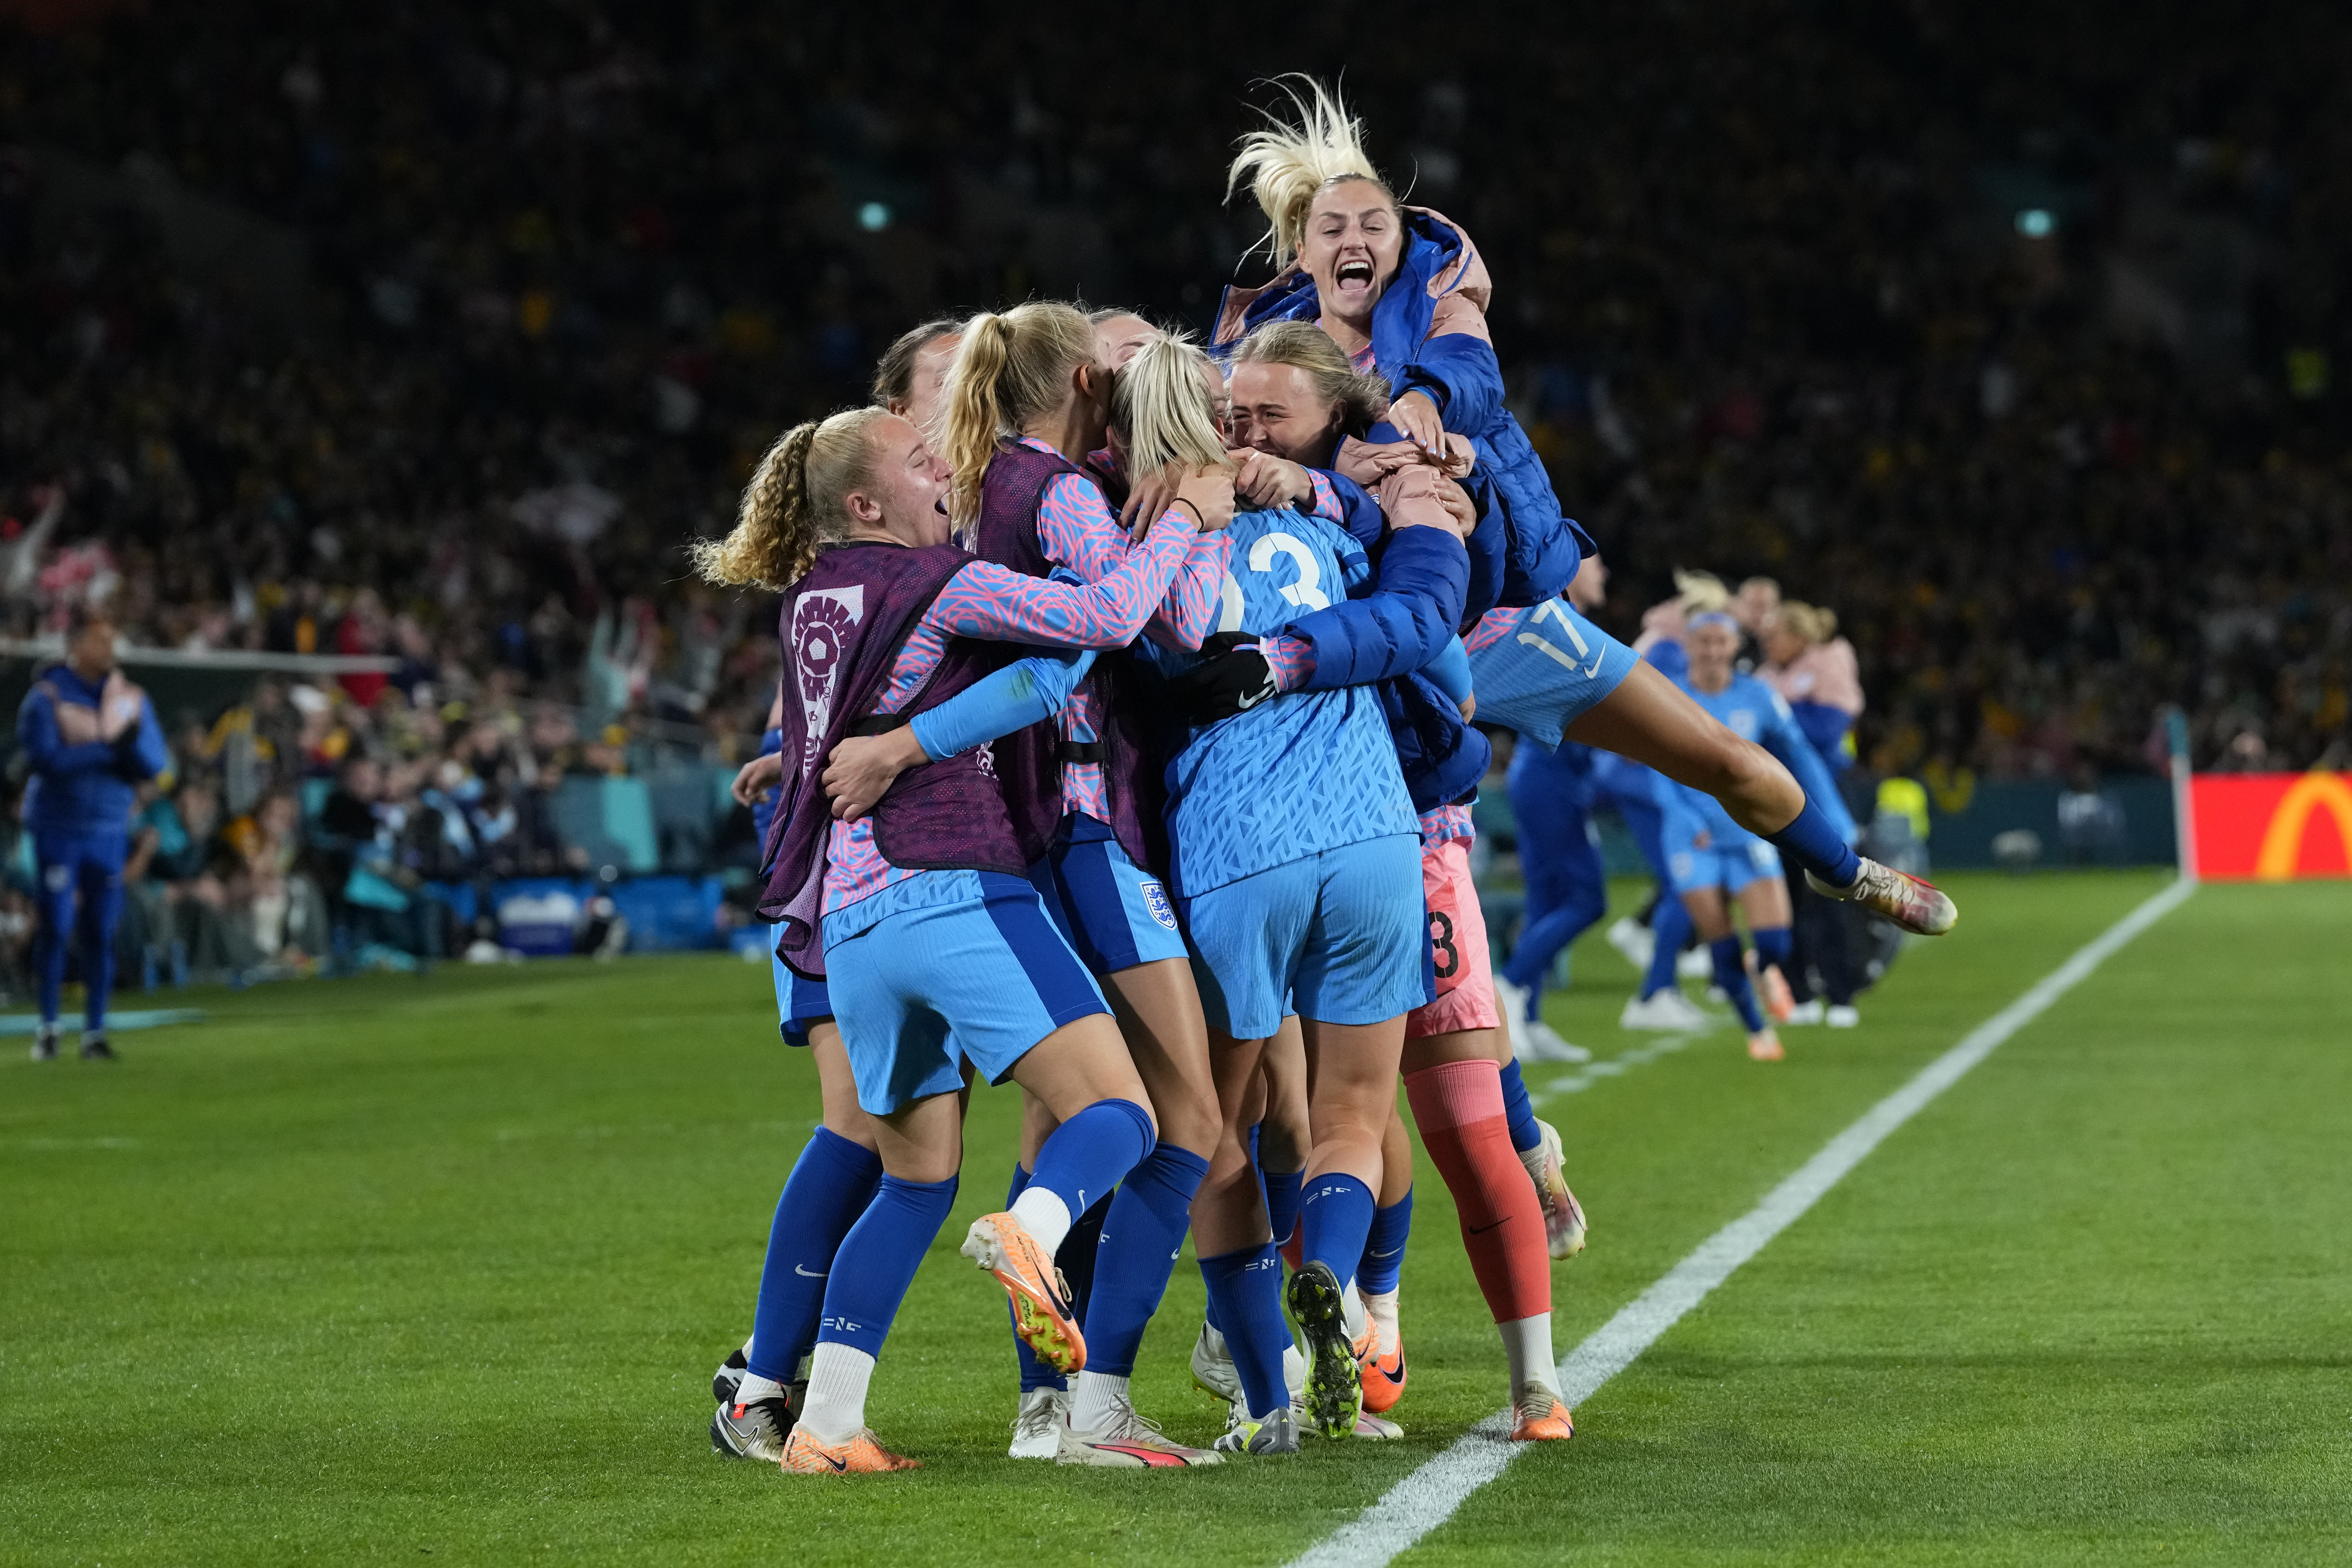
1303, 772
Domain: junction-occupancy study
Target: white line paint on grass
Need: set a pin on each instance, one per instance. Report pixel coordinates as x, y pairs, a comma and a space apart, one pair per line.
1585, 1077
1428, 1497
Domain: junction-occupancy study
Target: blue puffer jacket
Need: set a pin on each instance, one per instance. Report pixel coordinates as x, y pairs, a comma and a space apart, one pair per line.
1402, 618
1459, 373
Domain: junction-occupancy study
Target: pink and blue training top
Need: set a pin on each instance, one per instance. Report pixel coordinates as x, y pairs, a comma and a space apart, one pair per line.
1078, 530
994, 604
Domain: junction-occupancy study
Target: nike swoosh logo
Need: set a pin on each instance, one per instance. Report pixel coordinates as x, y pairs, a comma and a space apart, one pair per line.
805, 1274
1260, 695
840, 1466
1152, 1457
1396, 1377
1483, 1229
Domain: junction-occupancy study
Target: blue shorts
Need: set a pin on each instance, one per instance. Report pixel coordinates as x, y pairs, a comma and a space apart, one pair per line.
800, 1000
1544, 670
1114, 913
995, 972
1729, 868
1340, 937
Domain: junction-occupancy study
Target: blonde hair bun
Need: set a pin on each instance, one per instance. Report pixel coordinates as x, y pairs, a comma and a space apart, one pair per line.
1700, 591
1288, 163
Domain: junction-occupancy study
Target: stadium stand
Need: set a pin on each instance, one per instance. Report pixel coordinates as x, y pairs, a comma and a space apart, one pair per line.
429, 331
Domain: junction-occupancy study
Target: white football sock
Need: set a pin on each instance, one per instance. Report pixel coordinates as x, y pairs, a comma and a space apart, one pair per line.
747, 1351
838, 1377
1216, 1342
1293, 1369
1351, 1311
1526, 1344
1382, 1312
756, 1388
1096, 1401
1045, 1216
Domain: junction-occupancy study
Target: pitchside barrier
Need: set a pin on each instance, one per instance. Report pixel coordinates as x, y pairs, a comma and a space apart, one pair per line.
2268, 828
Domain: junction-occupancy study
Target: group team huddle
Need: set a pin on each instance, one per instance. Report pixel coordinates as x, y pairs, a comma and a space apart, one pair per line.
1122, 751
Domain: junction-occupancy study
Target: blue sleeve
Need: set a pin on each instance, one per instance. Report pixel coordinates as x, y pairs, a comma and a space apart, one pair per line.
1459, 373
1014, 698
153, 755
1408, 622
46, 750
1825, 727
1490, 547
1785, 741
1450, 671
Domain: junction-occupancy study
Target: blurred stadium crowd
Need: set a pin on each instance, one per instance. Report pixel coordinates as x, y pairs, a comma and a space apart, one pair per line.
432, 330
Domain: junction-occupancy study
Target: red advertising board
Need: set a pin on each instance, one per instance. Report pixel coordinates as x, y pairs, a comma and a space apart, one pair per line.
2272, 827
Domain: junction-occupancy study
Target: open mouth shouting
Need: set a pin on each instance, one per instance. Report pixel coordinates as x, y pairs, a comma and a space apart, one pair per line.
1353, 278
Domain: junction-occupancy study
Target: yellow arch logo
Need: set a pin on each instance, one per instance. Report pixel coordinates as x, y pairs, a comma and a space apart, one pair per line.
2282, 840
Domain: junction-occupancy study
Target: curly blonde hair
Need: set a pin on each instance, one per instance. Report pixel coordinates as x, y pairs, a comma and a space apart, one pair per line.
1287, 164
1010, 368
796, 506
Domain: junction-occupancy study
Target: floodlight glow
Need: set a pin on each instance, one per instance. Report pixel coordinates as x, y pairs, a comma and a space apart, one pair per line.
875, 216
2036, 223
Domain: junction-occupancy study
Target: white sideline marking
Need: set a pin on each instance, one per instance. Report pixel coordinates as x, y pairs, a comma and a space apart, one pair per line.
1428, 1497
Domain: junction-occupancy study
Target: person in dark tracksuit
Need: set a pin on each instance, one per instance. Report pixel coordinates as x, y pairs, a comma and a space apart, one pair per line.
91, 738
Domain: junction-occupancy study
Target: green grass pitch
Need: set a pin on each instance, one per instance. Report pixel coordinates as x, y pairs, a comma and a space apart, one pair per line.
392, 1270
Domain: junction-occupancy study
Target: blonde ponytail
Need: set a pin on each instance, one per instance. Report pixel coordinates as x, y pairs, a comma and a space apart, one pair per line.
1159, 405
1288, 166
794, 506
1010, 369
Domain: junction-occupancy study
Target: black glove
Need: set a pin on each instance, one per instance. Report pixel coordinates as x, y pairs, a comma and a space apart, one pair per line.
128, 764
1229, 679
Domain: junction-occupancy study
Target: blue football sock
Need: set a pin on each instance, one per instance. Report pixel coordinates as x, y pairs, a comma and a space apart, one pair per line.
1774, 946
1819, 847
1140, 1240
1732, 975
877, 1261
1670, 927
1281, 1201
1384, 1248
1086, 1155
831, 1183
1334, 1221
1518, 1110
1075, 1257
1034, 1374
1245, 1288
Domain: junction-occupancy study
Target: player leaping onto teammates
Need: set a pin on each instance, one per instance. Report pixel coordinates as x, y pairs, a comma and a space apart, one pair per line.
1404, 291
